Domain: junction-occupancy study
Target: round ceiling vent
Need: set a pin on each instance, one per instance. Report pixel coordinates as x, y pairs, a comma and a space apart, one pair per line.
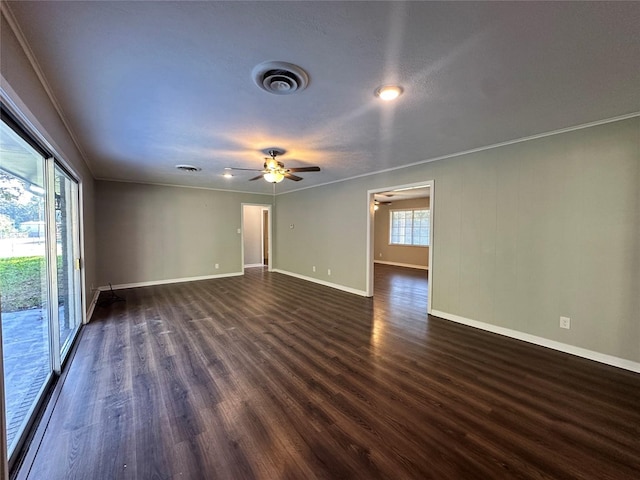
188, 168
280, 78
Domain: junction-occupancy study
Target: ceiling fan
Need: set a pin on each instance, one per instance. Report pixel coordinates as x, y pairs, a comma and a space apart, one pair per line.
274, 171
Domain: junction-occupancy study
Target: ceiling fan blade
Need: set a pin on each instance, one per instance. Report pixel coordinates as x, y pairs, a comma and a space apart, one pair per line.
256, 178
295, 178
245, 169
304, 169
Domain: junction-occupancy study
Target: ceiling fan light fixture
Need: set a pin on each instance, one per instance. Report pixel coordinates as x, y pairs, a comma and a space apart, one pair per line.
271, 164
227, 175
388, 92
274, 177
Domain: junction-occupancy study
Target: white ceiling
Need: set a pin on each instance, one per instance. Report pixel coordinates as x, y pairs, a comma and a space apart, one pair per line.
148, 85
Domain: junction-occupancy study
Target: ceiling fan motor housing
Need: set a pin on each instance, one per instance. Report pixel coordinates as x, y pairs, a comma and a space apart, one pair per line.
273, 164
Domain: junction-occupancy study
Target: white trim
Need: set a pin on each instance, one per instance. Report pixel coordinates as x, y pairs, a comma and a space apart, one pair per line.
52, 265
406, 265
83, 269
159, 184
92, 305
355, 291
432, 218
543, 342
476, 150
168, 281
4, 459
254, 265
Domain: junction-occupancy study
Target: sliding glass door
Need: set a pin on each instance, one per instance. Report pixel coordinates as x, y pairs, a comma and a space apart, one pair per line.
23, 281
68, 259
40, 281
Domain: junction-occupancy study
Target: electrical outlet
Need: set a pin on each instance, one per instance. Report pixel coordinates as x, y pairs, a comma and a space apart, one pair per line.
239, 230
565, 322
329, 272
217, 266
314, 268
380, 254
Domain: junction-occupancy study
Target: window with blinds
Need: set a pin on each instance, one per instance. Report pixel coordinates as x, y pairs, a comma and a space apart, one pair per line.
409, 227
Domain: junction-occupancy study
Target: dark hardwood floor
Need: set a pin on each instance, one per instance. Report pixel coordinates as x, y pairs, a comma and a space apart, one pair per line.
270, 377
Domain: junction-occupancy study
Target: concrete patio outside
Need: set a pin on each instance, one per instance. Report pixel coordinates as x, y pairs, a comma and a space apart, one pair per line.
25, 338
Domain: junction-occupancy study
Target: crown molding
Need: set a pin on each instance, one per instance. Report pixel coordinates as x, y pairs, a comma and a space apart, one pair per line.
17, 31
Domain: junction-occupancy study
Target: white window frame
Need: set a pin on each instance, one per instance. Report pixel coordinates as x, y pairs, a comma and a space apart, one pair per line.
391, 212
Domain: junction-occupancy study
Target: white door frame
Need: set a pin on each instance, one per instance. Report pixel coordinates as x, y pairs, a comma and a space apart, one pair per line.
267, 207
4, 459
371, 235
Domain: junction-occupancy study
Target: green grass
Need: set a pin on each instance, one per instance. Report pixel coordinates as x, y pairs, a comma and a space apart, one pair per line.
22, 283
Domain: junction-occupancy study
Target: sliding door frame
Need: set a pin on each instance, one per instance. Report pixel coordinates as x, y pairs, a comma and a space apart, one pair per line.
4, 465
20, 115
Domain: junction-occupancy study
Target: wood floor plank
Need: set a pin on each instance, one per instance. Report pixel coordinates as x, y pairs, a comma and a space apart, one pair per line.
265, 376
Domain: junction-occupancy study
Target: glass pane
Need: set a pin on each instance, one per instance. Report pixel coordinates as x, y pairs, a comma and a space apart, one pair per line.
421, 227
66, 194
401, 227
23, 281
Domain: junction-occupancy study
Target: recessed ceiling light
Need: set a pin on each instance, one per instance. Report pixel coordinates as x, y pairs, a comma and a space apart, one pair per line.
388, 92
188, 168
227, 175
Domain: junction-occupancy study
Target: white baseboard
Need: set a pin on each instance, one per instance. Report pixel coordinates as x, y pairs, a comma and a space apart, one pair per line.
337, 286
92, 305
543, 342
253, 265
407, 265
168, 281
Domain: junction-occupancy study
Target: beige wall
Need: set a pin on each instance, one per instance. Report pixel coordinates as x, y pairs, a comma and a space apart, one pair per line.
21, 83
323, 227
150, 233
523, 233
401, 254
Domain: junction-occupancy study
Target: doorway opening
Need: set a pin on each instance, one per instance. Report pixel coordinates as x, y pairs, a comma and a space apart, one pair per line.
400, 231
256, 236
